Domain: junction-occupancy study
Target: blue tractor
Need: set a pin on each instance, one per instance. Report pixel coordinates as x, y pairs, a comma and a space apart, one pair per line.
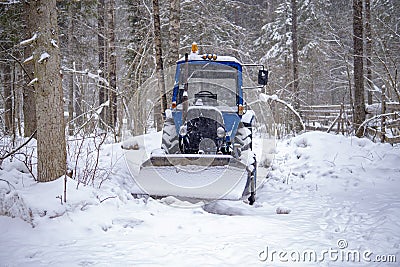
206, 150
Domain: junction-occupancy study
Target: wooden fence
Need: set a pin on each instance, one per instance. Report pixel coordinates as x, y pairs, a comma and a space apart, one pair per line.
383, 127
327, 118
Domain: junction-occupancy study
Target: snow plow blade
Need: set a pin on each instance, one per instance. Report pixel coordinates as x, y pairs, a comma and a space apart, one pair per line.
193, 176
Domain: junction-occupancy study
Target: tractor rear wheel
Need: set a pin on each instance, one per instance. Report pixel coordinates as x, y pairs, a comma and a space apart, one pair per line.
170, 140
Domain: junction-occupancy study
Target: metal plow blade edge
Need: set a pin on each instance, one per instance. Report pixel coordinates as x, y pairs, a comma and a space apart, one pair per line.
193, 176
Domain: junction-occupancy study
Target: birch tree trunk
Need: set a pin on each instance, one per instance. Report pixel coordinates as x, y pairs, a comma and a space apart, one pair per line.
359, 103
51, 146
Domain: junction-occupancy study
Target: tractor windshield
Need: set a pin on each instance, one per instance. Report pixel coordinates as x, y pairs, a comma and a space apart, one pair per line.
209, 84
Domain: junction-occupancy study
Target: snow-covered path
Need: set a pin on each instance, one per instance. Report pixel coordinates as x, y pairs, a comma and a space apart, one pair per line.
341, 196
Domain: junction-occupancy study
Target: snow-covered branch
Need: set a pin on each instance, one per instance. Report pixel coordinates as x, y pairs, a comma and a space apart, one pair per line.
28, 41
265, 98
35, 80
362, 126
10, 2
43, 57
93, 76
54, 43
28, 60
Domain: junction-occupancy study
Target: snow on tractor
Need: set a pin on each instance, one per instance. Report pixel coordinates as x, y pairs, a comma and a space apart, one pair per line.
206, 150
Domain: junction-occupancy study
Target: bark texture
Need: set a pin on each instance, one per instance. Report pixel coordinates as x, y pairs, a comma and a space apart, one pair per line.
359, 102
112, 66
174, 30
101, 56
29, 103
71, 83
368, 48
51, 146
295, 55
8, 103
159, 109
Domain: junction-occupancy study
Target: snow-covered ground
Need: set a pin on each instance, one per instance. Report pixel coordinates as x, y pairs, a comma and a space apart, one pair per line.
326, 197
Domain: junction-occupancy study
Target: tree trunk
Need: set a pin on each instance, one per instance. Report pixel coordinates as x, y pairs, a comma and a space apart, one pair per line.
159, 109
101, 57
295, 55
51, 146
368, 48
18, 84
359, 103
29, 102
78, 92
8, 104
112, 66
174, 32
71, 124
14, 111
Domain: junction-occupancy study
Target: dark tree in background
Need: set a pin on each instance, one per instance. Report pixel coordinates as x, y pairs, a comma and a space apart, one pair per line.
10, 35
359, 103
174, 32
159, 109
8, 99
101, 58
295, 54
368, 49
112, 65
71, 91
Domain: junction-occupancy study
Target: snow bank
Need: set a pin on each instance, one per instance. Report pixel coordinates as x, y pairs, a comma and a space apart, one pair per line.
12, 205
149, 142
22, 197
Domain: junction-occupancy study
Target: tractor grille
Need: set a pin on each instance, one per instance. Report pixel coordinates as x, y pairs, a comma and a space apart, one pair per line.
202, 129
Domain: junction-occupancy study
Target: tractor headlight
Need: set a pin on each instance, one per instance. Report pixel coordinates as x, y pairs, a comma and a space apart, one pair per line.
183, 130
220, 132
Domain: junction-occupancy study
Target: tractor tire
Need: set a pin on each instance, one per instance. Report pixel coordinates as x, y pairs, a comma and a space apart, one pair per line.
170, 139
251, 185
244, 138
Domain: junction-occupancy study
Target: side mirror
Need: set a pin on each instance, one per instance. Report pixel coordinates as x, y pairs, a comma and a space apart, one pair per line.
263, 77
